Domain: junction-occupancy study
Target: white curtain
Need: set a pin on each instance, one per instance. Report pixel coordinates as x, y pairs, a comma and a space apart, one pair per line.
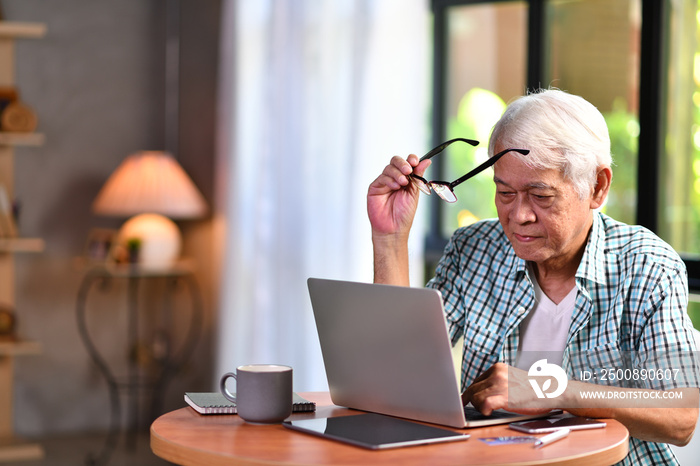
316, 96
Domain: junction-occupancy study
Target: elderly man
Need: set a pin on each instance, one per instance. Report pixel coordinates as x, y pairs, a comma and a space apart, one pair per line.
551, 274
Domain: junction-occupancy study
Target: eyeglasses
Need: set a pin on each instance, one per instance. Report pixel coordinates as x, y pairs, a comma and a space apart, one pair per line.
445, 189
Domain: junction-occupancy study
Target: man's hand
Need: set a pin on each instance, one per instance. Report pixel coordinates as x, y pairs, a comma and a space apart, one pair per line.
392, 200
505, 387
651, 418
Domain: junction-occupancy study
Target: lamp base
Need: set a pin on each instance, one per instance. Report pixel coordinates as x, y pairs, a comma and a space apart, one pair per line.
151, 240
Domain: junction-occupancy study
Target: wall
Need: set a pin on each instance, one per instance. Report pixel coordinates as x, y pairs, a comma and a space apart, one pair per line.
96, 81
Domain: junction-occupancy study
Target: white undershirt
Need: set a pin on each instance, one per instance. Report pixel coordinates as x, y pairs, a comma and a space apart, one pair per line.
544, 330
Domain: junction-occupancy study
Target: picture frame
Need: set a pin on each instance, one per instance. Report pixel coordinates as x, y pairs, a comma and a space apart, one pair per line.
100, 244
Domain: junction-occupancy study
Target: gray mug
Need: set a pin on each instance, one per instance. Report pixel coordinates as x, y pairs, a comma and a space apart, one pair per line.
263, 392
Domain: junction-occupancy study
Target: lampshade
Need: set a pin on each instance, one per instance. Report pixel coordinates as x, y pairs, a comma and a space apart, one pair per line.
153, 187
150, 182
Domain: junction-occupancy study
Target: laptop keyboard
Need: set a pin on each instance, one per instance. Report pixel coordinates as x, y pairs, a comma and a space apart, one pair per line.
472, 414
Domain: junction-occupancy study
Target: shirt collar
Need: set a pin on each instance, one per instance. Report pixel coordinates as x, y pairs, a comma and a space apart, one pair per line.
592, 266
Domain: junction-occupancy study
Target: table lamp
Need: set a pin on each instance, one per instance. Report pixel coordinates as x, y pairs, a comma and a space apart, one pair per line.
153, 188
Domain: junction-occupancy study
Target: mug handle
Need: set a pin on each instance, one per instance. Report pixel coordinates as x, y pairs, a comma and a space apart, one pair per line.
224, 390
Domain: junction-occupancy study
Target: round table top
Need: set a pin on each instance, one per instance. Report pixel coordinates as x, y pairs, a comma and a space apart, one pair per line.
188, 438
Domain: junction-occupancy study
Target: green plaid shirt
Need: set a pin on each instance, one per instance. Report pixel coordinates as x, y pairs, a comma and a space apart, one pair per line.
633, 296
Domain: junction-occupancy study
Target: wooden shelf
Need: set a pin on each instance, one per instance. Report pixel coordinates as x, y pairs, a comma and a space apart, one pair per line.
21, 245
22, 30
13, 448
21, 139
19, 348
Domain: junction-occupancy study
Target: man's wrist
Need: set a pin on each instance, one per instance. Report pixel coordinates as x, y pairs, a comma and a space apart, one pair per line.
389, 240
390, 259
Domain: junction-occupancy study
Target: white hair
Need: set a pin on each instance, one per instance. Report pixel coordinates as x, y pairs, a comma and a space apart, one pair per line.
561, 130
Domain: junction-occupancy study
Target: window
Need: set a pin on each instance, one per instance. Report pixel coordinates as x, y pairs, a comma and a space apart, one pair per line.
679, 193
481, 64
487, 59
592, 49
638, 61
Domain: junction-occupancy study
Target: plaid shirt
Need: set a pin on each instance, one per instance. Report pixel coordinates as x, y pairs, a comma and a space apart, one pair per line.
633, 296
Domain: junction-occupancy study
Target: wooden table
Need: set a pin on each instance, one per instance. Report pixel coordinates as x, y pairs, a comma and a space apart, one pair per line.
187, 438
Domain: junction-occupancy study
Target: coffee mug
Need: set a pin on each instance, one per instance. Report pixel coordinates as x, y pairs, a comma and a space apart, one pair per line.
263, 392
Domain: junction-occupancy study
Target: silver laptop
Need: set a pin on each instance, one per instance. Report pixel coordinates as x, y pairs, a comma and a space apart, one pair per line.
386, 350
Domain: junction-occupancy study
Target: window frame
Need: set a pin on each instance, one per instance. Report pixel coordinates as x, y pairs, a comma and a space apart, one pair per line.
651, 105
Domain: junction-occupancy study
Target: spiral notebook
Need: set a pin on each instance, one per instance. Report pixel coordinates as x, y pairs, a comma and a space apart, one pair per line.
216, 403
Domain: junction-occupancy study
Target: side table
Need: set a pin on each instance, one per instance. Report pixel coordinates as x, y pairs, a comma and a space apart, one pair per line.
100, 278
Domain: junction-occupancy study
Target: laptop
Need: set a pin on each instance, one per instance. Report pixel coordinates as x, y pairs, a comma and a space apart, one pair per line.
386, 350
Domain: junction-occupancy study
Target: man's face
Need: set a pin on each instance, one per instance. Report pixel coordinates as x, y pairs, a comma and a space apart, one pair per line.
541, 213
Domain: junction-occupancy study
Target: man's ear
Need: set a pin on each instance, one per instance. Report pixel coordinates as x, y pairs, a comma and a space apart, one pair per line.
602, 187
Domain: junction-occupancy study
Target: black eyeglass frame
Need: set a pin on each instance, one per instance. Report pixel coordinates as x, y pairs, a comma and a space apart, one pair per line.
446, 185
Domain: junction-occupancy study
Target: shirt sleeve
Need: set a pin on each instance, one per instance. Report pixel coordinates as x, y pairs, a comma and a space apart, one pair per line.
667, 342
448, 281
